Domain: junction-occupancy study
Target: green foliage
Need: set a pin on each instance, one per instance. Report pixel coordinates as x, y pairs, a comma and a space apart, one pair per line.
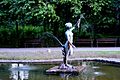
51, 15
9, 36
32, 32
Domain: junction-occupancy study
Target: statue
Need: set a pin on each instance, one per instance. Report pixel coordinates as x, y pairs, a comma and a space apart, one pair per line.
67, 50
68, 46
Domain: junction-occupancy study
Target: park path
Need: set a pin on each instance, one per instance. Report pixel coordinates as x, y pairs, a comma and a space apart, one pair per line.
59, 48
47, 55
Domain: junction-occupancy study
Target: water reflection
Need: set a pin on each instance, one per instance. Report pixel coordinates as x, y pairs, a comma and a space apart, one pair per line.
19, 71
65, 76
90, 72
93, 71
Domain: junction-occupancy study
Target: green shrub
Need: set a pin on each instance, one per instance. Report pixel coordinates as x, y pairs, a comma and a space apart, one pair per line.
10, 37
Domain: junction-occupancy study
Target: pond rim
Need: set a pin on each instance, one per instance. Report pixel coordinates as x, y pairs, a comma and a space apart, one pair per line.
55, 61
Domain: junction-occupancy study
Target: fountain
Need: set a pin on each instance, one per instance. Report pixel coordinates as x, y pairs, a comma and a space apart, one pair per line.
67, 51
27, 71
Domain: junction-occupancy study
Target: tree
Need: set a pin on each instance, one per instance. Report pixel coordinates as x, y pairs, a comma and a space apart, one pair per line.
51, 15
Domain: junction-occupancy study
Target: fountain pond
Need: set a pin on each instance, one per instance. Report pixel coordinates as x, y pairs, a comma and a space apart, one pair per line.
36, 71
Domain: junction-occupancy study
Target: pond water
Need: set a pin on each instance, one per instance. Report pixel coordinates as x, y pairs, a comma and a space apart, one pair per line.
93, 71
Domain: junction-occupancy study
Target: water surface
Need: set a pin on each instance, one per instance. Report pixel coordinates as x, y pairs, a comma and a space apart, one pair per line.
93, 71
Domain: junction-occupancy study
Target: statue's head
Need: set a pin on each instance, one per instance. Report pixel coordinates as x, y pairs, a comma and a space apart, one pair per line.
68, 25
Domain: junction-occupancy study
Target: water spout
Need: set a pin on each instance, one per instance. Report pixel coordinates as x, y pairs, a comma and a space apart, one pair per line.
54, 37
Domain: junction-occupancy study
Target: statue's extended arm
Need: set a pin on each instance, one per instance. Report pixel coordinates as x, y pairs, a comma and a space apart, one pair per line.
77, 25
72, 28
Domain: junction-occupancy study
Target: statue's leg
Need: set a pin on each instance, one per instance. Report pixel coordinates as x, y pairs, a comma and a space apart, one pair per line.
65, 59
67, 56
66, 53
65, 62
70, 51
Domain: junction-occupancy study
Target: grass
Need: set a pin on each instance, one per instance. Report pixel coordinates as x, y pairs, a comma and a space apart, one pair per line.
106, 54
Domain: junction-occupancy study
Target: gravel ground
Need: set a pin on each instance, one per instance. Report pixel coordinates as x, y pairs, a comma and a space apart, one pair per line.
52, 55
55, 53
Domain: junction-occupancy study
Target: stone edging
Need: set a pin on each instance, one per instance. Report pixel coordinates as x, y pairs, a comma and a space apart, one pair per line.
109, 60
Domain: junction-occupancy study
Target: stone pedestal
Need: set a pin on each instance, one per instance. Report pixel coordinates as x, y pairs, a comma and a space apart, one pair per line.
64, 69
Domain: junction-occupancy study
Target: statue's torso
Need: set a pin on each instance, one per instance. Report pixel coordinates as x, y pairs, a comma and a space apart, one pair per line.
69, 36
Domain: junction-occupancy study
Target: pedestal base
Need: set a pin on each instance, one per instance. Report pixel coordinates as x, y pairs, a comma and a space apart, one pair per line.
57, 70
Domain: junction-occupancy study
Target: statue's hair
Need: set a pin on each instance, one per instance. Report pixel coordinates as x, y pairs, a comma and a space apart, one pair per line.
68, 25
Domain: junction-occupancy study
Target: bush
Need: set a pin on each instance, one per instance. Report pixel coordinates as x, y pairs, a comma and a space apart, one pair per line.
10, 37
